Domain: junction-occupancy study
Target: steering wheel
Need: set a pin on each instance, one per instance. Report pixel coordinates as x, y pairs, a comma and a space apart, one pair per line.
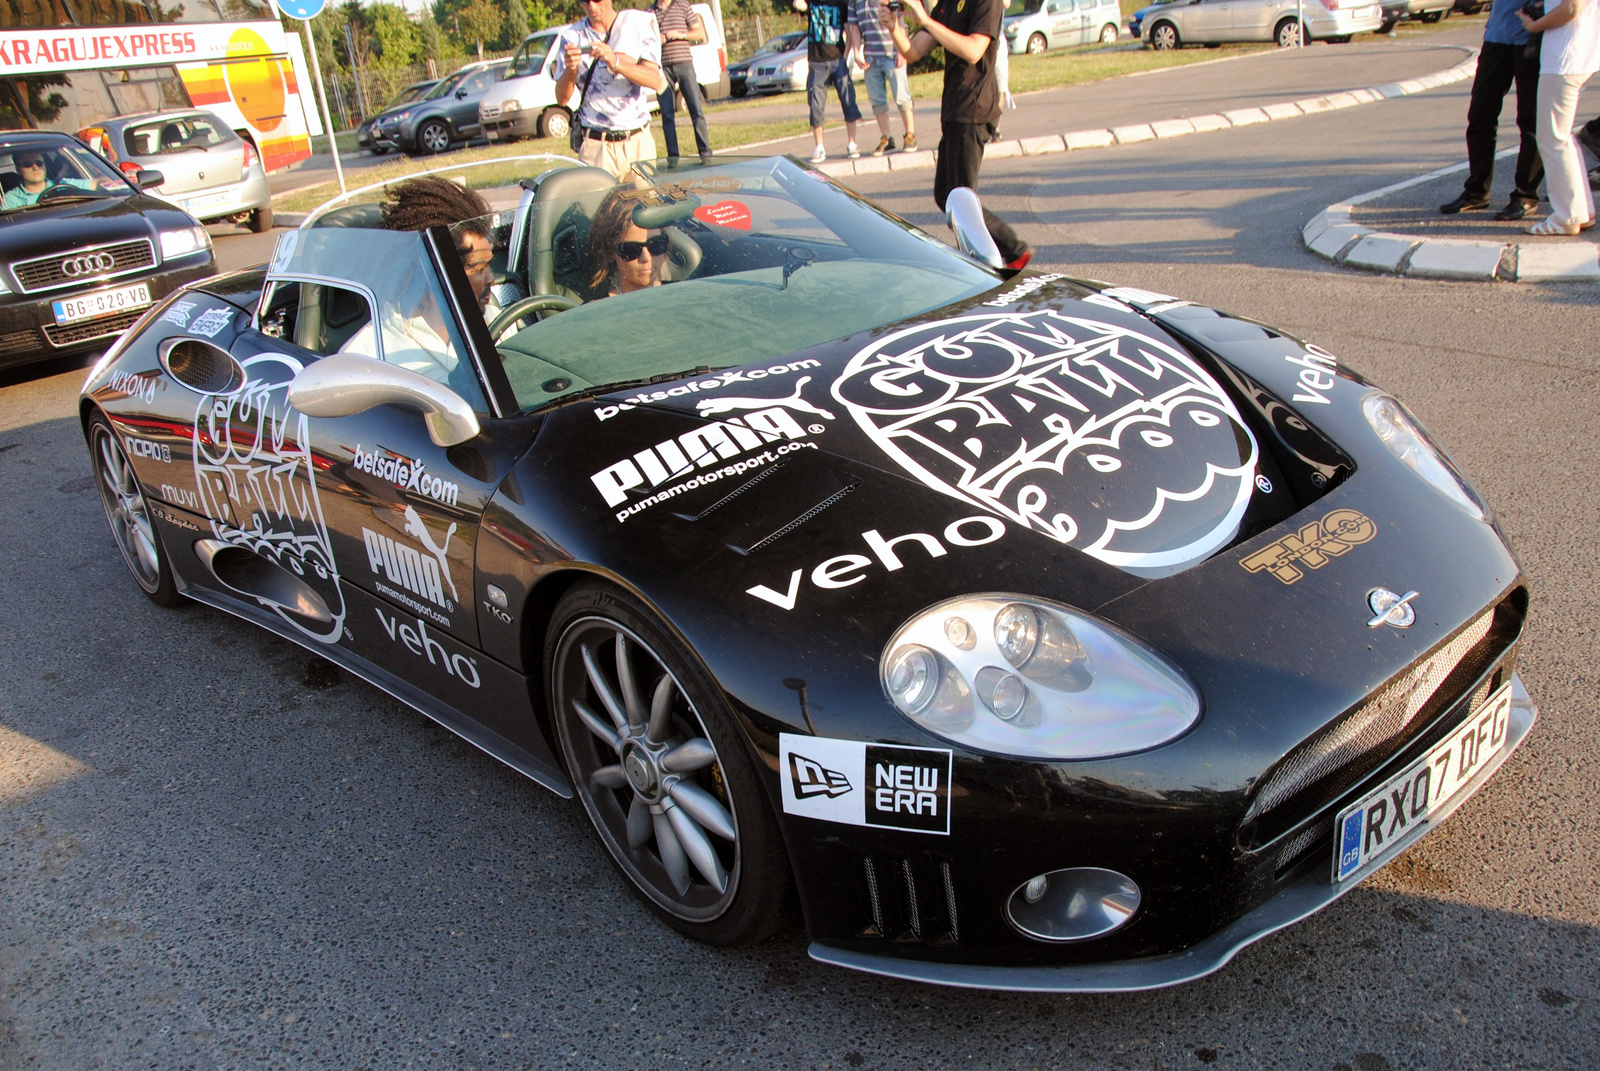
520, 308
60, 189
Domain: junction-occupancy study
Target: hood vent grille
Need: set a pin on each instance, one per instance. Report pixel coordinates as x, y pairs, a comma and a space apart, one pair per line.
804, 517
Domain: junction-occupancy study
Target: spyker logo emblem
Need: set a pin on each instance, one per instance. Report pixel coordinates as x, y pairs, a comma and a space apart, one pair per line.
1391, 609
88, 264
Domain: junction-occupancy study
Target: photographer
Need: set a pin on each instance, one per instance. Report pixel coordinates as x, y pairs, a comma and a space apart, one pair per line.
969, 31
618, 56
1568, 57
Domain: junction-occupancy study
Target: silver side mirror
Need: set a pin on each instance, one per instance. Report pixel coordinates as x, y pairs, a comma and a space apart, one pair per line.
344, 385
964, 212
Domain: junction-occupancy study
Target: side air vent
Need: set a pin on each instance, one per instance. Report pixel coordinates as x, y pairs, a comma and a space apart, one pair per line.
247, 573
910, 900
201, 366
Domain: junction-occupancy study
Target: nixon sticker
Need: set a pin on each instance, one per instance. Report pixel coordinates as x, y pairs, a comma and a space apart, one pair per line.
862, 784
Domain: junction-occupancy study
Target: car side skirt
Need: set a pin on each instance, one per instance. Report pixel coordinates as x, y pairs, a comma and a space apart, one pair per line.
1298, 900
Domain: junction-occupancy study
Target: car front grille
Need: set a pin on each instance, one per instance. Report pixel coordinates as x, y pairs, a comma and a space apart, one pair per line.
71, 334
765, 70
1336, 758
49, 273
18, 341
909, 900
489, 111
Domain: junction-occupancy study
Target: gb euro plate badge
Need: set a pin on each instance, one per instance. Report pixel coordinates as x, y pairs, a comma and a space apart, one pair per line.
860, 784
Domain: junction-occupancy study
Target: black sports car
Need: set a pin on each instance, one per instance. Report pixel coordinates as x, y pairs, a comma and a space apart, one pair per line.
84, 251
1029, 632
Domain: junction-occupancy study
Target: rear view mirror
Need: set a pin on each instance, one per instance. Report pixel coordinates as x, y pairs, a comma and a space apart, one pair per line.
147, 179
344, 385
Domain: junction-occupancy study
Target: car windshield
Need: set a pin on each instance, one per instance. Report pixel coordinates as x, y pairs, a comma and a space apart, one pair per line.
409, 94
780, 44
530, 56
42, 173
448, 84
695, 267
1023, 7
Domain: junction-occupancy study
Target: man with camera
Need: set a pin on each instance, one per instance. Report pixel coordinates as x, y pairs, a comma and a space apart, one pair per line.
969, 31
1509, 56
618, 56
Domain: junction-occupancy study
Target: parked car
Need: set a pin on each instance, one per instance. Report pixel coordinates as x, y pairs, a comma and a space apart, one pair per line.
777, 52
365, 139
89, 254
1033, 26
1028, 632
446, 115
1429, 11
209, 171
1136, 20
739, 73
1218, 21
522, 104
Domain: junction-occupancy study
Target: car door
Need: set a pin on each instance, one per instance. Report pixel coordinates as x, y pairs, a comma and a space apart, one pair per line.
464, 102
1063, 22
1207, 20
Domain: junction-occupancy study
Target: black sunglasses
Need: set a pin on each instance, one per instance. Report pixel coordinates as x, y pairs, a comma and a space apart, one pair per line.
30, 163
656, 243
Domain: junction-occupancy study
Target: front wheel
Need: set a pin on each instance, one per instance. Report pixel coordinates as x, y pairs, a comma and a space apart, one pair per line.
433, 136
1108, 34
738, 90
555, 123
1036, 44
261, 219
129, 515
659, 765
1164, 37
1287, 34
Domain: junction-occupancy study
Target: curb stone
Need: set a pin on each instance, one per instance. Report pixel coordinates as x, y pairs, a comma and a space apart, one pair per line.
1334, 235
1163, 129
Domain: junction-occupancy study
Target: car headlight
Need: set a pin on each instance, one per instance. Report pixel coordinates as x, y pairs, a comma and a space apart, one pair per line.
1406, 441
1025, 677
787, 68
510, 106
183, 242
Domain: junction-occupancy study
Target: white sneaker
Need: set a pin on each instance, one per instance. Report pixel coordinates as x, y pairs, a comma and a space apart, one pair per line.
851, 151
819, 154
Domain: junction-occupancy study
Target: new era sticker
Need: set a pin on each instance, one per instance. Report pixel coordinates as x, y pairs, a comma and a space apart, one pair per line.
862, 784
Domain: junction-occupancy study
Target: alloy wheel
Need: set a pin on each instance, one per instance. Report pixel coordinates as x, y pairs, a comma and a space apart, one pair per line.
1288, 33
1036, 44
646, 770
126, 510
434, 137
1164, 37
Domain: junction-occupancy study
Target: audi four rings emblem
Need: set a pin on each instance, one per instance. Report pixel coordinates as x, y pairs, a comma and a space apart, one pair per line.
88, 264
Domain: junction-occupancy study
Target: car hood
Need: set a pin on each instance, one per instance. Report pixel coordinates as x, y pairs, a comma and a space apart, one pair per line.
1056, 409
41, 231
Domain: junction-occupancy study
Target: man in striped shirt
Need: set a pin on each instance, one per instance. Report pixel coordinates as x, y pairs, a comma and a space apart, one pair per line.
885, 70
680, 28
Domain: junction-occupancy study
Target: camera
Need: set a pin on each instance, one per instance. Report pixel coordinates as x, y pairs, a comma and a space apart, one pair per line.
896, 5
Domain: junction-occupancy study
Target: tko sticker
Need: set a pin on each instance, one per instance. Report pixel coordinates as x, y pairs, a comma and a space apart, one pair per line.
859, 784
178, 313
1313, 545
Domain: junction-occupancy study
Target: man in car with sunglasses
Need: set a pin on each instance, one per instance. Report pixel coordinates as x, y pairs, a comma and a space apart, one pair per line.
614, 58
32, 166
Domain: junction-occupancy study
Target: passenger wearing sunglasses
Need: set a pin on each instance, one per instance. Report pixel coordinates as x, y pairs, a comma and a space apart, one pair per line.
625, 255
32, 166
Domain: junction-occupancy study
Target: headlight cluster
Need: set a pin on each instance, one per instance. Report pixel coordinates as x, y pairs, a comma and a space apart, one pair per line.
1406, 441
510, 106
181, 243
1025, 677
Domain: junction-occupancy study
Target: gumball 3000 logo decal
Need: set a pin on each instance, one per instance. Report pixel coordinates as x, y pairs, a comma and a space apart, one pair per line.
1092, 433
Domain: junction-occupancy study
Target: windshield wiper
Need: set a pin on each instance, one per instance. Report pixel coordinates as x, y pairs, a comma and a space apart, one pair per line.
63, 200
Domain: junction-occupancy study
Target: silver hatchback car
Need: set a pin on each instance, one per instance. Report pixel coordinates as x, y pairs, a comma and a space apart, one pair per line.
210, 171
1214, 21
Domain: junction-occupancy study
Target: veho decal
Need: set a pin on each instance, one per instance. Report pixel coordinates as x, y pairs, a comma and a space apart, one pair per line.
1092, 433
860, 784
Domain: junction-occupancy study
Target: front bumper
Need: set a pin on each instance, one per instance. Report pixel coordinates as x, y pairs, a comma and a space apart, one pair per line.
523, 123
28, 328
775, 83
1296, 900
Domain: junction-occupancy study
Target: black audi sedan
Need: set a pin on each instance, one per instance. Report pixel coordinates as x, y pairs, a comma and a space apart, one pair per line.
84, 249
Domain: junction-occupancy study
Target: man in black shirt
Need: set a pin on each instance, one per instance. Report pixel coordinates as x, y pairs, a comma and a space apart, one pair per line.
969, 30
825, 48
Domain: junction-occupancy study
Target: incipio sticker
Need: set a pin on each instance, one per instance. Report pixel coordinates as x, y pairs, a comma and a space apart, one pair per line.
210, 322
179, 312
860, 784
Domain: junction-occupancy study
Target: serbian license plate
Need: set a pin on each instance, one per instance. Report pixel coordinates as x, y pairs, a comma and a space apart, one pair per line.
101, 303
1408, 800
205, 202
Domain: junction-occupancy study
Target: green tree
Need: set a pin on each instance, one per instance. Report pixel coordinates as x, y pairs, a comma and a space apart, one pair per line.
480, 21
516, 24
431, 41
394, 36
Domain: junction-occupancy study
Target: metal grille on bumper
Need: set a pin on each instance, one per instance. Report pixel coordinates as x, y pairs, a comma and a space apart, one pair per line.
909, 900
46, 273
18, 341
70, 334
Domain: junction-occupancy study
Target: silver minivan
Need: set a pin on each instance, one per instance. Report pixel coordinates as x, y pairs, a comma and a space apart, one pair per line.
1033, 26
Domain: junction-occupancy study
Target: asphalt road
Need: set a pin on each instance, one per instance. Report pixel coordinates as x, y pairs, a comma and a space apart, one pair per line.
216, 853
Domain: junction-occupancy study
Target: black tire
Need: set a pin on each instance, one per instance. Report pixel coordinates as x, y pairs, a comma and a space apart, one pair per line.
1388, 26
1164, 37
1037, 44
128, 514
1431, 17
626, 783
1288, 34
1342, 39
739, 90
433, 136
555, 123
261, 219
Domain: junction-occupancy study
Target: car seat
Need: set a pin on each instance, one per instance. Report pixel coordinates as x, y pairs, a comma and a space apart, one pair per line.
172, 139
9, 181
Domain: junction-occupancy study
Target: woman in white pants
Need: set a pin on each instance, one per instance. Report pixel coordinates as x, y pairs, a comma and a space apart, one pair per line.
1569, 55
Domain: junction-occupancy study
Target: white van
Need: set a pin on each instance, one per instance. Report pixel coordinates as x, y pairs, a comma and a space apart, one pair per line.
523, 103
